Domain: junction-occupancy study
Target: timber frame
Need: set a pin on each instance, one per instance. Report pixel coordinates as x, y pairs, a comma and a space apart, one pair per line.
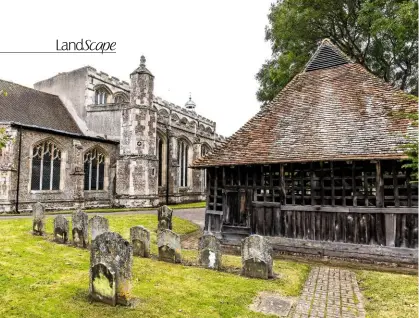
363, 209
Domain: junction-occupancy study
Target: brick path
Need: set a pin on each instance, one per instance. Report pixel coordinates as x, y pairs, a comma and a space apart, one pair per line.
330, 292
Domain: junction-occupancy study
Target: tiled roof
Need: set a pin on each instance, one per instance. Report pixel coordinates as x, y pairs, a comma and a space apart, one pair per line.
28, 106
335, 113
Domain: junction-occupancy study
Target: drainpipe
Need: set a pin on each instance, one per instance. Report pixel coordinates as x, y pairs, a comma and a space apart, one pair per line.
167, 165
18, 170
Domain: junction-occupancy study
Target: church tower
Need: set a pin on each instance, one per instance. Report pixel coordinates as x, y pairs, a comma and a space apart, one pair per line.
137, 163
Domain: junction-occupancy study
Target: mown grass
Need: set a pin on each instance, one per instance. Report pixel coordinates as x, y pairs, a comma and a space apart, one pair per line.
39, 278
389, 295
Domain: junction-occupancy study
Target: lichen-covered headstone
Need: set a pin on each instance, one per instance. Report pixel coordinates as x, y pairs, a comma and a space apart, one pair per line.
256, 257
111, 269
164, 216
168, 243
98, 225
38, 212
209, 251
140, 240
61, 229
79, 220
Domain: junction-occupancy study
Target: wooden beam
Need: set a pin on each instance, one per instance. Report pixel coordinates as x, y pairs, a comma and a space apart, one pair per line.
282, 183
379, 187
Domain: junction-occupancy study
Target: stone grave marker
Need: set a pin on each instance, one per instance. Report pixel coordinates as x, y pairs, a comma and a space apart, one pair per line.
140, 240
209, 251
111, 269
98, 225
168, 243
79, 220
61, 228
257, 259
164, 216
38, 212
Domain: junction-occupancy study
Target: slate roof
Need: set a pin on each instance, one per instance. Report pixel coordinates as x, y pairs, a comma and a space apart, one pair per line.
333, 112
28, 106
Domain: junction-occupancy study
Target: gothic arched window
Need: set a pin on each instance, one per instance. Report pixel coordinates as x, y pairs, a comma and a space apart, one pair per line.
204, 150
46, 166
183, 150
161, 158
121, 98
94, 170
101, 96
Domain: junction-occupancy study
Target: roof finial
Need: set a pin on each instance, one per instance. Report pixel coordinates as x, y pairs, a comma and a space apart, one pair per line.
190, 96
142, 60
190, 103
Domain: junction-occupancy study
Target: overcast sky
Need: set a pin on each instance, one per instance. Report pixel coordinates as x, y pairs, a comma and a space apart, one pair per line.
210, 48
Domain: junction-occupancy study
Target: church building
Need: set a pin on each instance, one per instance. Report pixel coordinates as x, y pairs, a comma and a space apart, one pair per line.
87, 139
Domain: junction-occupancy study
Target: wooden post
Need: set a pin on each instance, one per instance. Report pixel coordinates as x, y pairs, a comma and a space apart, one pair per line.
332, 182
282, 183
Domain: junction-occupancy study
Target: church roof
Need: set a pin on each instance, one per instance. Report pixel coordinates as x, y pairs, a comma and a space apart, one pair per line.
333, 110
28, 106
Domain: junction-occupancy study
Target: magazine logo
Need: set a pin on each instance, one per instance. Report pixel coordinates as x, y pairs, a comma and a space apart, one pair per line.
86, 46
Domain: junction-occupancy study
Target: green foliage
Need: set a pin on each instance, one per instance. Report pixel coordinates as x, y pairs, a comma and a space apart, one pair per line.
4, 138
381, 35
39, 278
411, 147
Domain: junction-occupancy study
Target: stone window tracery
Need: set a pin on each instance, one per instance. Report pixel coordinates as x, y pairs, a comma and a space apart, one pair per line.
183, 149
46, 166
101, 96
162, 160
121, 98
94, 170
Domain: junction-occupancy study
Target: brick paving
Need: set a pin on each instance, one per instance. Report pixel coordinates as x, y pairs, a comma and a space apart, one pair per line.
330, 292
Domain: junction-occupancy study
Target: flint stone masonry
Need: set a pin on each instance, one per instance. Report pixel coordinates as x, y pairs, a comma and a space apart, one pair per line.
140, 240
79, 220
164, 216
98, 225
257, 259
111, 269
168, 243
209, 252
61, 228
38, 219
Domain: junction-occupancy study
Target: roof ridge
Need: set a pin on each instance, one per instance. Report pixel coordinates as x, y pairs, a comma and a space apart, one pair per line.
26, 87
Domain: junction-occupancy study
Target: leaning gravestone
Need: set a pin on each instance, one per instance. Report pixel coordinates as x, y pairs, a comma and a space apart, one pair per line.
98, 225
209, 251
80, 234
38, 212
168, 243
140, 240
164, 216
61, 228
256, 257
111, 269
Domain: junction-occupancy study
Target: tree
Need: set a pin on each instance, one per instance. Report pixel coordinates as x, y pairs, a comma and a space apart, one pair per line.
4, 138
411, 146
381, 35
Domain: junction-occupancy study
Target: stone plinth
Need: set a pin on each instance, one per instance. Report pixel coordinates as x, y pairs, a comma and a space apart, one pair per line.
209, 252
168, 243
140, 240
79, 220
61, 228
256, 257
111, 269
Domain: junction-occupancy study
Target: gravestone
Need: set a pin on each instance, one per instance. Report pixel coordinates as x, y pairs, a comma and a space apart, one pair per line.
140, 240
61, 229
38, 212
80, 227
209, 251
256, 257
111, 269
98, 225
168, 243
164, 216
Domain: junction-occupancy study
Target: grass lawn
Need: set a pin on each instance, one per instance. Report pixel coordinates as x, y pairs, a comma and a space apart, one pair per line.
389, 295
39, 278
